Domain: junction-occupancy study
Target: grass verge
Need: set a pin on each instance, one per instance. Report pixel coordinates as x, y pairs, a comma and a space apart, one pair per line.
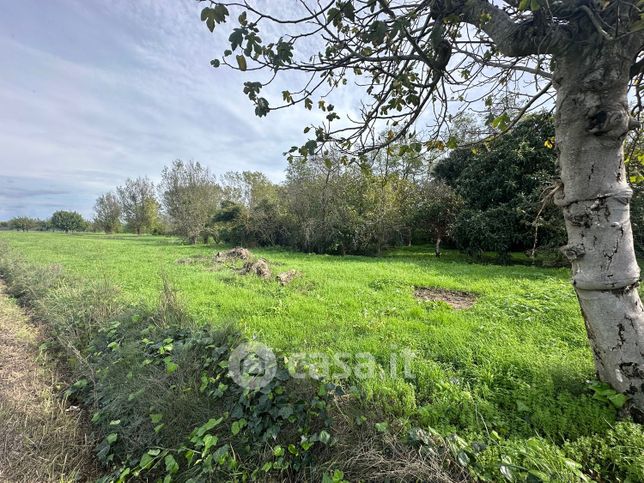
42, 438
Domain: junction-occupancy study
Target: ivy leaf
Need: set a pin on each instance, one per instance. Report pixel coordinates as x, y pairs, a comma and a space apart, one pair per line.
324, 437
618, 400
171, 465
170, 365
237, 426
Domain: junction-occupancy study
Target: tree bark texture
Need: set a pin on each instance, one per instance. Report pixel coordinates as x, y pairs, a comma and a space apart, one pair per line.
591, 124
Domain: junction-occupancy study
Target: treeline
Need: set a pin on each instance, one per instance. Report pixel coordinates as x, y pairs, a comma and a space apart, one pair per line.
494, 198
66, 221
489, 199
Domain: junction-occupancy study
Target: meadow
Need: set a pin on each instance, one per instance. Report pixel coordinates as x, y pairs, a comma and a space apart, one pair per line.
514, 368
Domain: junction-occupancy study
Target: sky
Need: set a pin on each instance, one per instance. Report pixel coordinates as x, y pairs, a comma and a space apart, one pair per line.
94, 92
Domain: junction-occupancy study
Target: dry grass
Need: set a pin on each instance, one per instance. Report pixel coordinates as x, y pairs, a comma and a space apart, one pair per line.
41, 437
364, 454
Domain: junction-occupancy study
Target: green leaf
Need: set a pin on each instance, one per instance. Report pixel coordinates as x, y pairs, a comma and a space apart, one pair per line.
146, 461
210, 23
501, 122
506, 472
211, 423
325, 437
112, 437
220, 12
618, 400
237, 426
382, 427
285, 412
171, 465
170, 365
310, 146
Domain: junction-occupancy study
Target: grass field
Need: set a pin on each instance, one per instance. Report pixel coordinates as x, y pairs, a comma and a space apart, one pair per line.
516, 364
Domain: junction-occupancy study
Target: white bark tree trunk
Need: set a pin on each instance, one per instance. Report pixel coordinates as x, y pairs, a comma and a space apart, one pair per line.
592, 121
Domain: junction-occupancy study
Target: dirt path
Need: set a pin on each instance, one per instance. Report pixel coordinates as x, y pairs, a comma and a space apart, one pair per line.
41, 439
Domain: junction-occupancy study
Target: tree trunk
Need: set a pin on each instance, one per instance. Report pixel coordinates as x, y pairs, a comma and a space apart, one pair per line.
437, 249
591, 123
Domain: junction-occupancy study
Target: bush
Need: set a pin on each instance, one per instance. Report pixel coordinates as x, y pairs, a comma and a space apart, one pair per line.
614, 456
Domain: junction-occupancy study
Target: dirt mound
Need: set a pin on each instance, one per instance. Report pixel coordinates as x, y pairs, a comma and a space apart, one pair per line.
285, 278
237, 253
258, 267
454, 298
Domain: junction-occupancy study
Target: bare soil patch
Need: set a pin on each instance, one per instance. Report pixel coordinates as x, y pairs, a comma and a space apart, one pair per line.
41, 437
454, 298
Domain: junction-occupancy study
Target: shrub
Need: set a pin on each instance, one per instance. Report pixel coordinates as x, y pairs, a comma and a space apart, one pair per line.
616, 455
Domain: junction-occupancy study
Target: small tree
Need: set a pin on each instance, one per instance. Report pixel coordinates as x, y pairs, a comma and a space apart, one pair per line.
22, 223
68, 221
107, 213
139, 204
190, 196
436, 210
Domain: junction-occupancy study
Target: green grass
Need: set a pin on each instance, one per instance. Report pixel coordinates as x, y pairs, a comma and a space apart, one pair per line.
516, 363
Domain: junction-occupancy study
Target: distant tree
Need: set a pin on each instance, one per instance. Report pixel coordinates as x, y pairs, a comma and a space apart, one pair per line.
68, 221
190, 196
4, 225
23, 223
436, 209
107, 213
139, 204
252, 211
